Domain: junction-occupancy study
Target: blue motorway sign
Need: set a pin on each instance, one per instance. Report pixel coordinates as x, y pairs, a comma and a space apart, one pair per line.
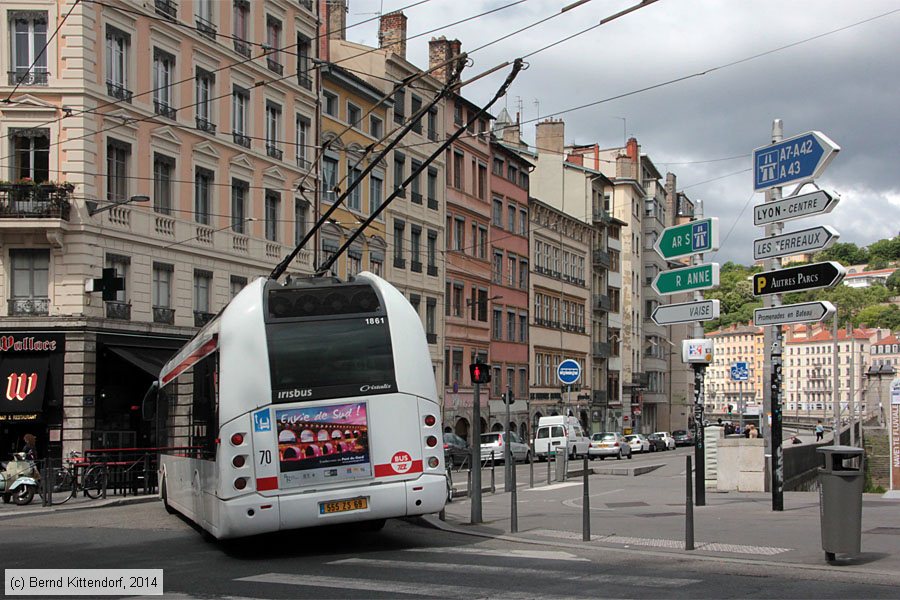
568, 371
795, 160
740, 372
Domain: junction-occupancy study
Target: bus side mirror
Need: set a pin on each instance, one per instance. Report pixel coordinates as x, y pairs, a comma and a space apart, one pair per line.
148, 406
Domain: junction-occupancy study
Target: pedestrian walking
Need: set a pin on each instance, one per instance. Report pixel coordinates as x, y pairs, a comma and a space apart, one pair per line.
28, 448
752, 432
820, 431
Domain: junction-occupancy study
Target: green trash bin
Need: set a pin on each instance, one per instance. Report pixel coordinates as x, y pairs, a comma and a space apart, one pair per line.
841, 482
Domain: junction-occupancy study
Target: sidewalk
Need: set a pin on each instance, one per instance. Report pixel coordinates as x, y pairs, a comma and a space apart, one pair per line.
13, 511
648, 513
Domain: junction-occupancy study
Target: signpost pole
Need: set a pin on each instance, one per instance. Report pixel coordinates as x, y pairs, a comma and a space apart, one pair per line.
772, 369
475, 489
741, 402
507, 453
836, 390
699, 450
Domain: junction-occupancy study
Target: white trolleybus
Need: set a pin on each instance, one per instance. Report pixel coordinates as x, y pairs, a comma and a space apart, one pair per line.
302, 404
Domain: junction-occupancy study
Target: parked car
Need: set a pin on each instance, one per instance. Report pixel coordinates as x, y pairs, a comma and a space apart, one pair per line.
609, 443
494, 441
638, 442
683, 437
560, 434
656, 442
456, 450
670, 441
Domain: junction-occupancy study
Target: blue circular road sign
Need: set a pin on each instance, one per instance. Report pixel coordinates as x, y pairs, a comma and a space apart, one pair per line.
568, 371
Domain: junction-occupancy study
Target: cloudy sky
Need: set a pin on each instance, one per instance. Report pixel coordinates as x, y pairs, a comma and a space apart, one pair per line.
827, 65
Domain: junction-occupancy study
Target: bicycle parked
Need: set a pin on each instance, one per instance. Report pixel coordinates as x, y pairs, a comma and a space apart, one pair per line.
77, 476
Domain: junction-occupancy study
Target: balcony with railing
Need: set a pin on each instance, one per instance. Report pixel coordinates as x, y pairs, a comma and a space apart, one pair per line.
118, 91
432, 135
202, 318
601, 303
166, 8
23, 77
602, 217
205, 28
240, 139
206, 125
118, 310
163, 315
304, 80
274, 65
274, 152
601, 349
30, 200
432, 270
602, 259
415, 266
242, 48
33, 307
163, 109
431, 338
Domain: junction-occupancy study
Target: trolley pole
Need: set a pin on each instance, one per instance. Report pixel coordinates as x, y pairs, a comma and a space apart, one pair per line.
475, 489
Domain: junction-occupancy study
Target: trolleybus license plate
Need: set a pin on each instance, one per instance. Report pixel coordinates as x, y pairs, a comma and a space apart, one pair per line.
336, 506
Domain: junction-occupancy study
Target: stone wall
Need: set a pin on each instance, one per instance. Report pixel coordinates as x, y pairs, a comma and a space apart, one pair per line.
877, 444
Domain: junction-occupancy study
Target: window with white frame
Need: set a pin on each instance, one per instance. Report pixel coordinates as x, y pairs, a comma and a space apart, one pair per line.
239, 193
354, 115
376, 191
301, 219
122, 265
240, 119
241, 29
273, 204
204, 91
117, 157
162, 285
303, 125
273, 39
376, 127
304, 46
237, 283
202, 288
163, 79
354, 200
29, 281
273, 130
30, 154
329, 177
203, 180
28, 36
117, 49
163, 167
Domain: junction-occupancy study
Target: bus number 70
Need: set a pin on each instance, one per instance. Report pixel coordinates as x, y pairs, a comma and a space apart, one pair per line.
265, 457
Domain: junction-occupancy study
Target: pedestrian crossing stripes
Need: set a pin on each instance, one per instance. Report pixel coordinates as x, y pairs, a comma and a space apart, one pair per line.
663, 543
543, 572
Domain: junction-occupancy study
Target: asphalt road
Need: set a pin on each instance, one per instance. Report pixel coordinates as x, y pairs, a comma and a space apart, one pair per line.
406, 559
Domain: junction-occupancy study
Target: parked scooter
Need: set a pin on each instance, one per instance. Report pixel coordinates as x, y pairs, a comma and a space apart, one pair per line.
19, 480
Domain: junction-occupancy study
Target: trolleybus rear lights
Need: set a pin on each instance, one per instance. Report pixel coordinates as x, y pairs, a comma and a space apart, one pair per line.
237, 439
238, 461
430, 420
433, 462
240, 483
431, 441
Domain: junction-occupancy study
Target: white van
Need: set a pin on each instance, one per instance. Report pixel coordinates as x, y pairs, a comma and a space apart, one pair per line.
558, 432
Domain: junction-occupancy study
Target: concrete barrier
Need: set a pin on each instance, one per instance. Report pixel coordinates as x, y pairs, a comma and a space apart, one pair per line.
741, 465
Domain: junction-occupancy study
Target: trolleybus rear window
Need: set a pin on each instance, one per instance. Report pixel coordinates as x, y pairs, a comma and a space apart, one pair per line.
333, 358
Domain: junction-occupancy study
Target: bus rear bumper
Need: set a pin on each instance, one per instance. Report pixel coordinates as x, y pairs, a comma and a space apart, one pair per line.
245, 516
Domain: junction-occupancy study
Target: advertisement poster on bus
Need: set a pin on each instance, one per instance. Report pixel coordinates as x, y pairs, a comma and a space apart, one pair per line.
323, 444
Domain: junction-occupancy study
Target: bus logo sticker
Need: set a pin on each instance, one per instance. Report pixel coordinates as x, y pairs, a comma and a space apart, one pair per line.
401, 462
262, 421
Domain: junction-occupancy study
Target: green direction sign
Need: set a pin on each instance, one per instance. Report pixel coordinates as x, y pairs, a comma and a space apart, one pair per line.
699, 277
688, 239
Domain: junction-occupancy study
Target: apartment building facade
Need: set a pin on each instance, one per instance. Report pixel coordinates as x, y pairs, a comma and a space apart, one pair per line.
141, 153
414, 220
733, 344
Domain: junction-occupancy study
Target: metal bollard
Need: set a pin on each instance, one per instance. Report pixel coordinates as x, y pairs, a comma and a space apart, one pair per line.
688, 508
531, 470
549, 456
586, 505
493, 477
513, 508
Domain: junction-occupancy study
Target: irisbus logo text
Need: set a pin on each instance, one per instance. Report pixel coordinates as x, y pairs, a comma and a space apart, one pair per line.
295, 393
372, 388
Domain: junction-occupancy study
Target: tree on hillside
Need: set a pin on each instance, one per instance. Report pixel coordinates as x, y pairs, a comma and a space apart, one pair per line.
846, 253
879, 315
849, 301
885, 251
893, 282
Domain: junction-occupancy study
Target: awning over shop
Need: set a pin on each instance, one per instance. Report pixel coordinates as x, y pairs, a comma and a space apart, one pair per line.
24, 380
149, 360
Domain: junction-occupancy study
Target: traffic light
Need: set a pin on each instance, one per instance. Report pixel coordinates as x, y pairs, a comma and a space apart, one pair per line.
480, 373
507, 397
730, 408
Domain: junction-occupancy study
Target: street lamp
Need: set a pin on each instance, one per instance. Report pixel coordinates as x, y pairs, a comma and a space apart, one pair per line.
93, 208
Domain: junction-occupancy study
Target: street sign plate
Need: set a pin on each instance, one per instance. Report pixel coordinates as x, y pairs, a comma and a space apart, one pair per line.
691, 238
796, 242
795, 279
568, 371
699, 277
806, 312
686, 312
740, 372
795, 207
794, 160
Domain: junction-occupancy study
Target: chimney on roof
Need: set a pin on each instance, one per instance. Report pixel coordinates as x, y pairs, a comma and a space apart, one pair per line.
336, 19
392, 33
550, 136
441, 50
